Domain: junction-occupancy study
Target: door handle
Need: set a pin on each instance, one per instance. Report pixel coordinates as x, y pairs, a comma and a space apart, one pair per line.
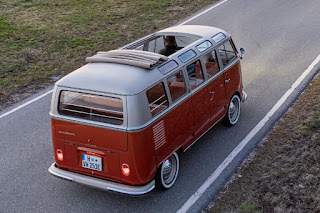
227, 81
212, 93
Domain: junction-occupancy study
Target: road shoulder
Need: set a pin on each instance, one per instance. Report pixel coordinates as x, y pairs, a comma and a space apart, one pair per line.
282, 173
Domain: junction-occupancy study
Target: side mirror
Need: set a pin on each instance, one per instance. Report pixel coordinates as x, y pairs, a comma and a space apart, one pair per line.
241, 52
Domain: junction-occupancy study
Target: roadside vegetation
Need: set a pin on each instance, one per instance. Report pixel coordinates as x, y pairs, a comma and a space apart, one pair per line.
283, 175
42, 40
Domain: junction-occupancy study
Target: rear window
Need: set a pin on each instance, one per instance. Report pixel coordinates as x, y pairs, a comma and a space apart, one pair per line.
91, 107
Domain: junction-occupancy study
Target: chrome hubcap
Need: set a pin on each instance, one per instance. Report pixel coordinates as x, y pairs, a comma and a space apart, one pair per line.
234, 110
169, 168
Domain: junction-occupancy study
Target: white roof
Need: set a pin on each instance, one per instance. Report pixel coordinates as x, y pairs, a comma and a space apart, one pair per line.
198, 30
111, 78
124, 79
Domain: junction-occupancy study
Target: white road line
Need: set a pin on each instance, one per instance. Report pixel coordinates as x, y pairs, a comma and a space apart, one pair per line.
25, 104
242, 144
200, 14
245, 141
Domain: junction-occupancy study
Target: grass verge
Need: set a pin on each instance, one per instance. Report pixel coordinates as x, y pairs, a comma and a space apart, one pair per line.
284, 173
41, 40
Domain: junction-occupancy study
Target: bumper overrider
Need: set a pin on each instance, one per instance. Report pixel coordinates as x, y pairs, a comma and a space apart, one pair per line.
244, 96
99, 183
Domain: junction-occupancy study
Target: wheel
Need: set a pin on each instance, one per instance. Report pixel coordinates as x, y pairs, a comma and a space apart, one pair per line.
167, 172
233, 113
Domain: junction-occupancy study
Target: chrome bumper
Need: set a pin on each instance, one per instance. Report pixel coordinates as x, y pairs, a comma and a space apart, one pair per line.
244, 96
99, 183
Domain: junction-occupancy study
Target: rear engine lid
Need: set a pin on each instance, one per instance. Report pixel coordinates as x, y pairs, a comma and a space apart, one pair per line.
90, 135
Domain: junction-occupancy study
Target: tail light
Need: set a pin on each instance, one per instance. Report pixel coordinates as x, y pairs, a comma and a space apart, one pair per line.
125, 169
59, 154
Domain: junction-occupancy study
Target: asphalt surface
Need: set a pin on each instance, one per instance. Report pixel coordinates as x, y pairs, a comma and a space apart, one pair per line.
281, 39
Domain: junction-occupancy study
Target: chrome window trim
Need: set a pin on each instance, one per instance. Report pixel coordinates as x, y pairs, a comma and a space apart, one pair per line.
87, 122
168, 90
172, 106
54, 113
91, 113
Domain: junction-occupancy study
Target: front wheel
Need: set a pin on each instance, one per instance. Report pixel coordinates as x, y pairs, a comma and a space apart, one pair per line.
167, 172
233, 113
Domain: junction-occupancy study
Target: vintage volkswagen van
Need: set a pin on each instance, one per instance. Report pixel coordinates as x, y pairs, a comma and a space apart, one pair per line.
119, 122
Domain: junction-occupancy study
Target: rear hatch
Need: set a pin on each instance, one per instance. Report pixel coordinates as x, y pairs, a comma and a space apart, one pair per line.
89, 146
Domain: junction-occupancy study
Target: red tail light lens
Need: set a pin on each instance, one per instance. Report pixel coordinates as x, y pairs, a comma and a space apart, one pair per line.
59, 154
125, 169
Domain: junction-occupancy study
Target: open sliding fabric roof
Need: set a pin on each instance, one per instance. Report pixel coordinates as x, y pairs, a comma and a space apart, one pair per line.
136, 58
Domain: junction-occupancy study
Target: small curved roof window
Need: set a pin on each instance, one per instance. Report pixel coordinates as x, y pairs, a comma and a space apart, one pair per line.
187, 56
219, 37
203, 46
166, 68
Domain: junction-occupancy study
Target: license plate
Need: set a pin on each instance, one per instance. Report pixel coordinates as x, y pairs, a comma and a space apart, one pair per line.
91, 162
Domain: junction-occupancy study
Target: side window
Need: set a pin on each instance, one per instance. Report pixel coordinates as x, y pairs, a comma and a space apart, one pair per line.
177, 86
140, 47
227, 53
195, 74
157, 99
211, 63
156, 45
152, 46
183, 41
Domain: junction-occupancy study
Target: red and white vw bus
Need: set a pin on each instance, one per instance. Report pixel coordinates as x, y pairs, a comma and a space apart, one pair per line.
119, 122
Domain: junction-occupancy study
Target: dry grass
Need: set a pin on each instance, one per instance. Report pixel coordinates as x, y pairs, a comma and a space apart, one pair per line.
41, 40
284, 174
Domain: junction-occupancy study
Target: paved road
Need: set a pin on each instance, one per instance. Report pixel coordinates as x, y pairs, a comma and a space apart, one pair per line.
281, 38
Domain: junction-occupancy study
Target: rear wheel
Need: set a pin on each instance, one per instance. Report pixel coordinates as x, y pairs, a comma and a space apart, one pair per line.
233, 114
168, 172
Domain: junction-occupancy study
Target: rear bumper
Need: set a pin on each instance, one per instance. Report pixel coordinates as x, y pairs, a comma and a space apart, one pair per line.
99, 183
